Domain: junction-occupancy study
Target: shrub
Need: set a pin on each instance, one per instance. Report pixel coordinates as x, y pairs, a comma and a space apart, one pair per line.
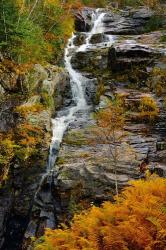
148, 108
157, 81
25, 110
163, 38
28, 137
6, 154
154, 23
137, 220
96, 3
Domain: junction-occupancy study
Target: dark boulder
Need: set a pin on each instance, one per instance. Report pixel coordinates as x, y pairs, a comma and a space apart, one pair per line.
89, 60
79, 39
124, 56
83, 20
98, 38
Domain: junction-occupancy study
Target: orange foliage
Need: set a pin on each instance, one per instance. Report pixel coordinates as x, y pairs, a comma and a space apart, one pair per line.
25, 110
19, 69
6, 154
148, 108
136, 222
28, 134
28, 137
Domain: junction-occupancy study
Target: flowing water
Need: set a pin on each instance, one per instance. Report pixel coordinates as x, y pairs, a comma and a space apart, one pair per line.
45, 205
77, 80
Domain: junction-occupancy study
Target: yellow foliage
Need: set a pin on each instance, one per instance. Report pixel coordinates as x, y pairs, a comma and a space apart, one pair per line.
6, 154
27, 137
148, 108
25, 110
136, 221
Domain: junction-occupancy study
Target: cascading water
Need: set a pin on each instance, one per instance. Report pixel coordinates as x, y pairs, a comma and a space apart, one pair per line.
45, 210
43, 201
61, 123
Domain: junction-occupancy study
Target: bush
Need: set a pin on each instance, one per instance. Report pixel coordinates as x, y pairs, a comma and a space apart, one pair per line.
148, 108
6, 154
154, 23
135, 221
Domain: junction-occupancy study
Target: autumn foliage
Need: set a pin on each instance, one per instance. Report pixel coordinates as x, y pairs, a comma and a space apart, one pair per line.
6, 154
136, 222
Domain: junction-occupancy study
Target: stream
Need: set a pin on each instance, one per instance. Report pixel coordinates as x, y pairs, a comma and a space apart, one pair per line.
78, 82
44, 204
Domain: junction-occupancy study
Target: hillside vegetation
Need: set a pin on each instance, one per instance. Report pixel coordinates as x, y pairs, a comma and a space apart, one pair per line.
137, 220
37, 31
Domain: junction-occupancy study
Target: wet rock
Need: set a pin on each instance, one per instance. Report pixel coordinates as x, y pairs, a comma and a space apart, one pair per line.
92, 59
98, 38
129, 22
79, 39
142, 13
26, 175
90, 91
5, 207
83, 20
125, 55
8, 116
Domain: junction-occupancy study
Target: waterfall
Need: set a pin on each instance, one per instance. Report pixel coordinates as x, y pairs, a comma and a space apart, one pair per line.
60, 124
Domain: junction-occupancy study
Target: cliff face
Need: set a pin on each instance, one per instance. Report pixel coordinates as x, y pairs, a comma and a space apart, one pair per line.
28, 104
133, 66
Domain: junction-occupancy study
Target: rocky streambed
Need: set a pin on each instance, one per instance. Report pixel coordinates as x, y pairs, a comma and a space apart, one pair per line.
111, 53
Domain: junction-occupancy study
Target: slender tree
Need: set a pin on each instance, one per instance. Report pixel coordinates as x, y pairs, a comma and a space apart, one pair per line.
109, 130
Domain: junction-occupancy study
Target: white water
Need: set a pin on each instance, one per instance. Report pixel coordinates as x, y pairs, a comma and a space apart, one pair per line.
60, 124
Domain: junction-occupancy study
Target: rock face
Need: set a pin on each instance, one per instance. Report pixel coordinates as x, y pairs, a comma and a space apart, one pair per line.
17, 194
123, 23
83, 20
125, 56
84, 172
118, 57
93, 59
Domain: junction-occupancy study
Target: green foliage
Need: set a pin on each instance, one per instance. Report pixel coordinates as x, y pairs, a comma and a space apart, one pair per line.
163, 38
97, 3
47, 100
8, 17
6, 154
155, 22
32, 31
75, 138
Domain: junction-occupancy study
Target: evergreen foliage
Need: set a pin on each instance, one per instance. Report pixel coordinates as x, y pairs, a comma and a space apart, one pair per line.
33, 31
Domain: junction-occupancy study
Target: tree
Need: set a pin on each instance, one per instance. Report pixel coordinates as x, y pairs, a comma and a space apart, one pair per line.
136, 221
109, 130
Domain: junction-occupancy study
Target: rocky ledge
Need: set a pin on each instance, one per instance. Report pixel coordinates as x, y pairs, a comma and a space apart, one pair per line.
49, 89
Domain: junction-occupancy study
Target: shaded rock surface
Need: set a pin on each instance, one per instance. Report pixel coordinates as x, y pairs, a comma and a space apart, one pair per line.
125, 22
17, 193
83, 20
118, 57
